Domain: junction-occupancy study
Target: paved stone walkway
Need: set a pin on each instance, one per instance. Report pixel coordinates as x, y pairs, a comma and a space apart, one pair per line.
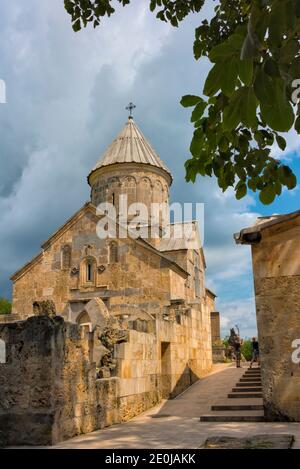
176, 424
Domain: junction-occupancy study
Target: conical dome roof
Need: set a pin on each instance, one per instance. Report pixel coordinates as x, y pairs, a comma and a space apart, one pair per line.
130, 146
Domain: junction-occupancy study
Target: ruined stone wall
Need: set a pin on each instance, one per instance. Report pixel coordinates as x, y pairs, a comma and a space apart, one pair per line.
276, 265
49, 371
48, 386
5, 318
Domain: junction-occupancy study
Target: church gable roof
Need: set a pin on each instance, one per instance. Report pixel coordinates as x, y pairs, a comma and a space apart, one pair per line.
130, 146
88, 207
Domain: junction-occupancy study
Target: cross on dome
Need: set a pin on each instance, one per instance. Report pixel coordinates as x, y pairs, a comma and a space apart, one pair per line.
130, 108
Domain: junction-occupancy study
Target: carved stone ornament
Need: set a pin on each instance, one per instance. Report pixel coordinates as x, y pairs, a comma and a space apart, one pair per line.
74, 270
101, 269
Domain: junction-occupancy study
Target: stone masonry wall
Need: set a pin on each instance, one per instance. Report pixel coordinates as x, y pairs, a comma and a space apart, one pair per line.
164, 363
48, 390
215, 326
276, 265
120, 284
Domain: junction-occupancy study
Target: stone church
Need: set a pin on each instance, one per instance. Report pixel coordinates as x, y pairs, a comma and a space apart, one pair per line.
139, 305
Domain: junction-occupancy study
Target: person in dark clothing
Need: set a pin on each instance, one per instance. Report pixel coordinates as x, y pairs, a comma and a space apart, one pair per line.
255, 352
237, 350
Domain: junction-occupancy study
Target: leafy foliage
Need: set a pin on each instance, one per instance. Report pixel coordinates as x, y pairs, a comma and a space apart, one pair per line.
5, 306
246, 349
254, 49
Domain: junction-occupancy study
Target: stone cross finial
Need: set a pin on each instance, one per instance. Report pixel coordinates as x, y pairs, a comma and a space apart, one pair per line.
130, 108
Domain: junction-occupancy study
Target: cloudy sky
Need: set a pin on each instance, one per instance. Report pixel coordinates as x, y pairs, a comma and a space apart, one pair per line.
66, 95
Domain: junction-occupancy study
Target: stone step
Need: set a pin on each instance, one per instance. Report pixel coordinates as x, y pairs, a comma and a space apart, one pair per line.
246, 380
252, 373
250, 383
221, 407
248, 389
246, 395
242, 416
251, 376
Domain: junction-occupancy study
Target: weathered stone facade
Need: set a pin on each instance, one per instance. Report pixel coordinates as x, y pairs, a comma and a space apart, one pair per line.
142, 277
276, 266
50, 386
141, 304
218, 349
215, 326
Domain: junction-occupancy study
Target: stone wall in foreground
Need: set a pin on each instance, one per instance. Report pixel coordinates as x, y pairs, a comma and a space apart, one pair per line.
57, 380
48, 390
276, 266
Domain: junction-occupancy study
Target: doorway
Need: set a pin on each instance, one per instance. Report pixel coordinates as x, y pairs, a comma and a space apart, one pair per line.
165, 356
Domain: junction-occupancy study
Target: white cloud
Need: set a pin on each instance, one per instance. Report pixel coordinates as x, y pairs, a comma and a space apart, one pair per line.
240, 313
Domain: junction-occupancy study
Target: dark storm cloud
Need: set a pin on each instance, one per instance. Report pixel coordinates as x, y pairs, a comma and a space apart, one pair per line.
66, 100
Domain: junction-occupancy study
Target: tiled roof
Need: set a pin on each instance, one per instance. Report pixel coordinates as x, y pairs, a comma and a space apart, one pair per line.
130, 146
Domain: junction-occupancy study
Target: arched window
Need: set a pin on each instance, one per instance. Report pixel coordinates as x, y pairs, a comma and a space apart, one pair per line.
84, 322
113, 252
66, 256
2, 351
88, 271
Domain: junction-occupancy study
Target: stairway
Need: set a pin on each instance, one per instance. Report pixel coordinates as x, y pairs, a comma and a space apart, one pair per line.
243, 404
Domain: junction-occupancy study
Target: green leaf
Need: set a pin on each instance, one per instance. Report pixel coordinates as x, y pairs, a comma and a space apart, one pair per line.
241, 190
196, 146
294, 70
245, 68
276, 111
223, 144
221, 52
213, 80
289, 50
278, 188
249, 106
267, 194
263, 87
297, 125
241, 108
232, 114
197, 49
152, 5
69, 6
271, 68
277, 22
229, 76
174, 21
249, 49
198, 111
76, 26
287, 177
281, 142
252, 184
279, 116
190, 100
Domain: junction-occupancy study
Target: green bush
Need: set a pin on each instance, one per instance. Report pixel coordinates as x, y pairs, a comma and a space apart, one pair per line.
5, 306
247, 349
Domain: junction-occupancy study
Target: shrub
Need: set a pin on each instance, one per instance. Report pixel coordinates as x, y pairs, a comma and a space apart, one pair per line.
5, 306
247, 349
